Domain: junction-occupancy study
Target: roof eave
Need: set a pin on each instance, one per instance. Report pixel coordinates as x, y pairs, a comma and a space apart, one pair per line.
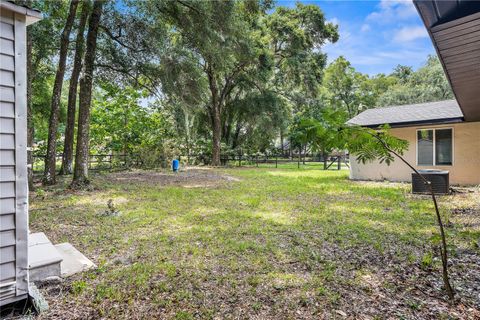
465, 96
413, 123
31, 15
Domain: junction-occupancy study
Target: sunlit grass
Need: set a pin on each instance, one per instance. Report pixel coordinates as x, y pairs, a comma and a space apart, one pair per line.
282, 232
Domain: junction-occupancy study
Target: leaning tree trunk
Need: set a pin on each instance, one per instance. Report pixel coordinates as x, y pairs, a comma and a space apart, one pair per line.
80, 173
443, 248
67, 156
50, 159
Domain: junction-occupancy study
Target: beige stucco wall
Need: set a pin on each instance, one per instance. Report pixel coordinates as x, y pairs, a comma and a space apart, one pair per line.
466, 157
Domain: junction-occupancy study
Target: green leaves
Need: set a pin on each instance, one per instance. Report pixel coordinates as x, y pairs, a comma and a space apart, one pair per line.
330, 133
424, 85
120, 123
296, 36
373, 144
322, 134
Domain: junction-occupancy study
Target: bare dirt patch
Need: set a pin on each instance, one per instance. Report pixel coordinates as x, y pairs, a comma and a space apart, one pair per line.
187, 178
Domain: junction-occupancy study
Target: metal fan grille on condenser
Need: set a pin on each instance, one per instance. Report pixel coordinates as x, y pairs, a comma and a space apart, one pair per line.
438, 178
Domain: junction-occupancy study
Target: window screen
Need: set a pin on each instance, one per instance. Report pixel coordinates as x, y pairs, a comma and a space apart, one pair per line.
425, 147
443, 147
434, 147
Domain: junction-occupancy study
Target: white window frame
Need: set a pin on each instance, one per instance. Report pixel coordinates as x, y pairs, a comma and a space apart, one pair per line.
434, 147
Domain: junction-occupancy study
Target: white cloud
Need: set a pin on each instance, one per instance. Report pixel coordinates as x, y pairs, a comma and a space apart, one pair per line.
407, 34
390, 11
334, 21
391, 35
365, 27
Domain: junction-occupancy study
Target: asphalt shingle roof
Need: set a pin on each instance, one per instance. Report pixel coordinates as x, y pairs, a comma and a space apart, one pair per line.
434, 112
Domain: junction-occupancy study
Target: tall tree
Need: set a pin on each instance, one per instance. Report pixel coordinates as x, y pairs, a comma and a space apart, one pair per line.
220, 41
426, 84
67, 156
50, 158
296, 39
341, 82
80, 173
40, 67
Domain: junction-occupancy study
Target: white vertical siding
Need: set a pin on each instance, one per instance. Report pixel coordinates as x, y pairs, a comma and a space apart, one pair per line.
13, 177
7, 157
21, 177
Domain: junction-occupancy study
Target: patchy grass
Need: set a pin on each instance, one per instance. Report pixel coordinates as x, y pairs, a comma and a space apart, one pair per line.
258, 243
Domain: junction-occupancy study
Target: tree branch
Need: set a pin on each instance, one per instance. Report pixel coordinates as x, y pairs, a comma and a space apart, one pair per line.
444, 253
118, 40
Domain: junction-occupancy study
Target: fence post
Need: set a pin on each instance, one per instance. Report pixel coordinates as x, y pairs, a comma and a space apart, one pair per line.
339, 164
256, 159
276, 160
324, 163
299, 159
240, 160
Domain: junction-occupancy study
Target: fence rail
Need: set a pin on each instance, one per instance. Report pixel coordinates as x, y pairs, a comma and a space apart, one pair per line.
274, 159
96, 162
106, 162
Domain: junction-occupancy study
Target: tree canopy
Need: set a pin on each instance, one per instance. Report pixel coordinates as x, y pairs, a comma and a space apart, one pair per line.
184, 77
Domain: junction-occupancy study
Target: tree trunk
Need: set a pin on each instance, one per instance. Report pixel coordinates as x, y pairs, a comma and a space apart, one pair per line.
216, 135
50, 158
67, 156
215, 115
30, 126
304, 152
443, 248
80, 173
290, 151
281, 142
236, 135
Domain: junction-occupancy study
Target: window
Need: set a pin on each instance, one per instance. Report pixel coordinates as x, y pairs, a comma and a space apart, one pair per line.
434, 147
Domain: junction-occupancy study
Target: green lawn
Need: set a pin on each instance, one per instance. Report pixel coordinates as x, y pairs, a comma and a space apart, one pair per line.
258, 243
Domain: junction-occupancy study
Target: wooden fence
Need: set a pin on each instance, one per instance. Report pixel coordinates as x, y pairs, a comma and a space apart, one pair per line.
331, 162
96, 162
106, 162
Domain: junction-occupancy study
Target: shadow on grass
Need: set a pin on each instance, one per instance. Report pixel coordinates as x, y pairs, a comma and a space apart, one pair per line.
299, 244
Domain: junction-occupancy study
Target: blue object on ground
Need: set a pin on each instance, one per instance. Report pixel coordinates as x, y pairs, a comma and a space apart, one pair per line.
175, 165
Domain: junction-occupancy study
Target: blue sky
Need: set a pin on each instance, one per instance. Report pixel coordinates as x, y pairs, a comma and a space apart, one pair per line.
375, 36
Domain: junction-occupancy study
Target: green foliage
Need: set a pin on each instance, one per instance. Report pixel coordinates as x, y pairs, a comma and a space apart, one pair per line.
373, 144
322, 134
296, 36
45, 36
353, 91
233, 58
256, 117
121, 124
257, 67
427, 260
78, 287
426, 84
